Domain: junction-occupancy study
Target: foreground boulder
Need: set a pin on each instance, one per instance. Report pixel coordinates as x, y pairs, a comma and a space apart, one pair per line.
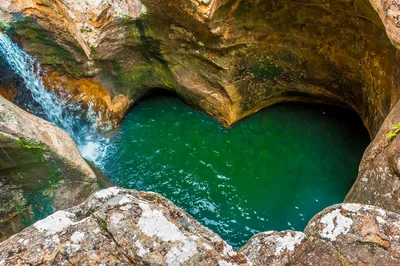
126, 227
41, 170
345, 234
119, 227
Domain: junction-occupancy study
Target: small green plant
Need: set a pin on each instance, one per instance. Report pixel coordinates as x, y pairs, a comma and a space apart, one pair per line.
2, 26
394, 131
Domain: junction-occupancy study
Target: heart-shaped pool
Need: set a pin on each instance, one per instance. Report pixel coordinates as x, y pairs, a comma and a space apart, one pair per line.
271, 171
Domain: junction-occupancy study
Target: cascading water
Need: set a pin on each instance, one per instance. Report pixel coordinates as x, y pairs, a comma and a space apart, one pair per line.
52, 107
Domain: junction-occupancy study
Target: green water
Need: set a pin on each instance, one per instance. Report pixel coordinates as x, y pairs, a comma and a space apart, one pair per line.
271, 171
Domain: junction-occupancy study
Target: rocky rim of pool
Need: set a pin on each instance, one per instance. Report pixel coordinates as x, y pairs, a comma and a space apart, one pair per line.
272, 171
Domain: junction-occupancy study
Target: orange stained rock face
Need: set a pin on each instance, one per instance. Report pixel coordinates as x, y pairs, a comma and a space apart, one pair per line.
92, 96
9, 93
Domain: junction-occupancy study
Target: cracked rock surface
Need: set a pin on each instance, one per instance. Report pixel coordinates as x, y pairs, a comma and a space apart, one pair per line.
126, 227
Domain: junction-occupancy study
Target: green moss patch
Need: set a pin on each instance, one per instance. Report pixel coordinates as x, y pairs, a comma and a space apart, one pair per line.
31, 177
43, 46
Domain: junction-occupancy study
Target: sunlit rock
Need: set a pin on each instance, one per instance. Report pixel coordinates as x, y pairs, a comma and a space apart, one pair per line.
122, 227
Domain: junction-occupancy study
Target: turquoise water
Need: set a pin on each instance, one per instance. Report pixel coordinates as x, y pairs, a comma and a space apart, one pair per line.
271, 171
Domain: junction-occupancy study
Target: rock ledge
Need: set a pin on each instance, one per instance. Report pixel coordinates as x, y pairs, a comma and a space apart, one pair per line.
126, 227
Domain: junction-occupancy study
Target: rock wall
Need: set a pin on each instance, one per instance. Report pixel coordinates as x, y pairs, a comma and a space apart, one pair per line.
229, 58
127, 227
41, 170
9, 82
378, 180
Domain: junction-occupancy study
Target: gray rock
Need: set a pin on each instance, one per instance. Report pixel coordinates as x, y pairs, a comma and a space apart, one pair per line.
126, 227
119, 227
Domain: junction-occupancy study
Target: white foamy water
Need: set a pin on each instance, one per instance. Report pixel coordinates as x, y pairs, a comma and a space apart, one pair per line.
52, 107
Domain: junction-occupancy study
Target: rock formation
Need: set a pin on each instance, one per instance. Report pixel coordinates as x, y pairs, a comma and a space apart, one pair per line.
9, 82
229, 58
125, 227
378, 180
41, 168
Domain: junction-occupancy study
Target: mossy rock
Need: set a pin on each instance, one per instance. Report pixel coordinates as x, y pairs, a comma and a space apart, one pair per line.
34, 182
43, 46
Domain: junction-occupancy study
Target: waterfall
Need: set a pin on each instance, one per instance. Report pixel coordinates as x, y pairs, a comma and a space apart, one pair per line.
53, 108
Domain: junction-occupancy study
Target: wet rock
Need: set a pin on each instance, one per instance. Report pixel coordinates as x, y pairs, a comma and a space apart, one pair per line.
9, 82
41, 170
18, 123
91, 96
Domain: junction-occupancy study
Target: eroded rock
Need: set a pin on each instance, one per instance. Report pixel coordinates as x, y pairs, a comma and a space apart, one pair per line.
378, 180
231, 59
273, 248
228, 58
119, 227
389, 12
41, 170
126, 227
351, 234
18, 123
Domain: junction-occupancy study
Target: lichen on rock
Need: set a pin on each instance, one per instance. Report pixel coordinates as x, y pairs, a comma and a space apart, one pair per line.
152, 230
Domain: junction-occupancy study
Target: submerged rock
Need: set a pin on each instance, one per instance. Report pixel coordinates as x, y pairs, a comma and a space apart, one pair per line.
41, 170
126, 227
